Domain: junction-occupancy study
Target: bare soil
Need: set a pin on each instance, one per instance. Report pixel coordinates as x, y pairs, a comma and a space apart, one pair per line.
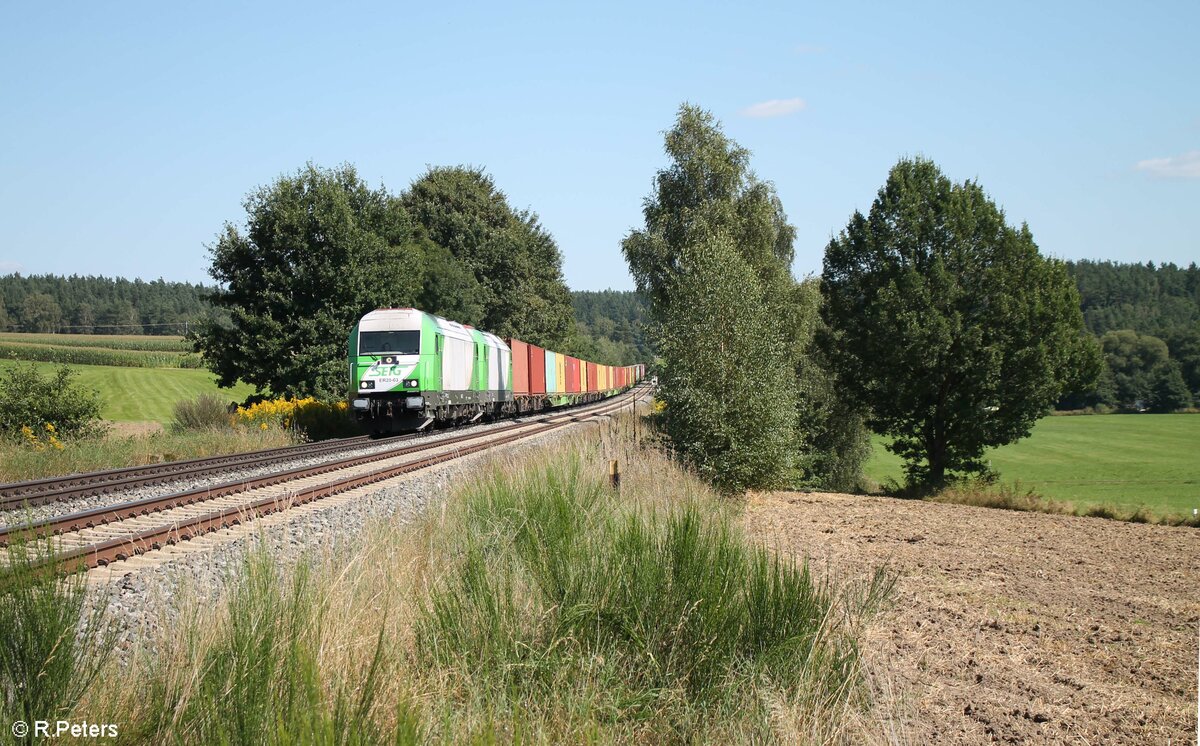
131, 429
1013, 627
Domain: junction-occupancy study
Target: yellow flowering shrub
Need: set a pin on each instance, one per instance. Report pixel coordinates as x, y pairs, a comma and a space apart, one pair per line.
316, 418
41, 442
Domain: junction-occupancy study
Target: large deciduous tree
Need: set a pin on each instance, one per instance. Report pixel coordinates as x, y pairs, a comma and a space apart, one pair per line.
40, 313
947, 324
517, 287
319, 250
728, 319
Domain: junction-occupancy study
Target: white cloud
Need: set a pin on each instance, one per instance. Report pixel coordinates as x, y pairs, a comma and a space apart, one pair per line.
7, 267
776, 107
1183, 166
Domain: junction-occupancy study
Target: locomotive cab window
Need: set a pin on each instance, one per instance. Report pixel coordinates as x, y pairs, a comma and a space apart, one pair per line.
391, 342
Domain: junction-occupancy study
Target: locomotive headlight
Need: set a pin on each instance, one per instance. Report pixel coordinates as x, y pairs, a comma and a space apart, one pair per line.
411, 383
367, 385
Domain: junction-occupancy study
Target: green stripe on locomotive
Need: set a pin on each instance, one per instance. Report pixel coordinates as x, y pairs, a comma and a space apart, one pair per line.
427, 371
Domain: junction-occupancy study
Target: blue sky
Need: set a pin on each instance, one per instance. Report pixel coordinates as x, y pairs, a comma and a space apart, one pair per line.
131, 132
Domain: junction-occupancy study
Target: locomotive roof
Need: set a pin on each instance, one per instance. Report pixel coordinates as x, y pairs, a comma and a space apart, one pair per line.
404, 319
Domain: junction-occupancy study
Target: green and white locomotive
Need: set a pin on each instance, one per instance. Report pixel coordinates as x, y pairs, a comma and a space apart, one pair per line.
409, 369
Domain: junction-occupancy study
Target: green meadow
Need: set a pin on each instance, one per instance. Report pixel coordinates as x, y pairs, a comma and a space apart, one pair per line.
144, 394
1129, 461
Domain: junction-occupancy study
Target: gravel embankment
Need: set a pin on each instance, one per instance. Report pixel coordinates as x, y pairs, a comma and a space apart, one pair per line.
142, 593
234, 474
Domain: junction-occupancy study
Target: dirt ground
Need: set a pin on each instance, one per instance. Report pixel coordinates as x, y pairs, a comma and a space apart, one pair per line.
1014, 627
129, 429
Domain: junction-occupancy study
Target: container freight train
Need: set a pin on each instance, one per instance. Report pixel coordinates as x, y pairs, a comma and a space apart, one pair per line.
410, 369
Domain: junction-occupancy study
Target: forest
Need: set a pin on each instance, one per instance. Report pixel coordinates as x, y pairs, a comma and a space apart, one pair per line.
1147, 320
98, 305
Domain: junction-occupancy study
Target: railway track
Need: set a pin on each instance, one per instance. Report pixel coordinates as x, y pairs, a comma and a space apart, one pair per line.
97, 537
18, 495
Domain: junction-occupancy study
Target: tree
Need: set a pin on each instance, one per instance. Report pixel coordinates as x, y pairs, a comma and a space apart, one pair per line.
40, 313
727, 318
1168, 391
1184, 346
1136, 361
727, 382
947, 324
515, 262
320, 249
84, 319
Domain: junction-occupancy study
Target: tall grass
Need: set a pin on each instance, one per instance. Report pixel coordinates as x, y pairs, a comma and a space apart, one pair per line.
207, 411
256, 675
539, 605
1014, 497
51, 648
579, 611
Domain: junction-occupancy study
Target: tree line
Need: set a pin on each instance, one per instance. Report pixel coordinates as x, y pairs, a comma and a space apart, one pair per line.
607, 324
1147, 320
98, 305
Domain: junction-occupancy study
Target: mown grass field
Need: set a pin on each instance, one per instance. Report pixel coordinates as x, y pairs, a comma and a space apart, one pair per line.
1150, 460
144, 394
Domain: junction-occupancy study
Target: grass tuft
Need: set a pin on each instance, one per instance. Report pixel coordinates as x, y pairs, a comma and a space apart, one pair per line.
580, 610
1004, 496
256, 675
51, 648
205, 412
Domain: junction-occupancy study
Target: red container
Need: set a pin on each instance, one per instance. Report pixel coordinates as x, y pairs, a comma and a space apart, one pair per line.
593, 380
520, 366
537, 370
623, 377
573, 382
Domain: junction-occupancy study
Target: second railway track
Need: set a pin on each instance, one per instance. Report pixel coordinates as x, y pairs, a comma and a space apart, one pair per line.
17, 495
116, 532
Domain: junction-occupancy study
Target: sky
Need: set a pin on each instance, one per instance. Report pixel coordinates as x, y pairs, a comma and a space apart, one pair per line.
131, 132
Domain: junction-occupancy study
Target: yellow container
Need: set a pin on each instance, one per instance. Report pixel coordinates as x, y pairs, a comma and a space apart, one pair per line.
560, 374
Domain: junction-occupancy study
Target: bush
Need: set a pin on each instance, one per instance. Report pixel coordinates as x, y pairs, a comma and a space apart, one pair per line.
316, 420
322, 421
205, 412
55, 404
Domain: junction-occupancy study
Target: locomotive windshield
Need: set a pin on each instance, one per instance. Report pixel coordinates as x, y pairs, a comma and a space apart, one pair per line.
392, 343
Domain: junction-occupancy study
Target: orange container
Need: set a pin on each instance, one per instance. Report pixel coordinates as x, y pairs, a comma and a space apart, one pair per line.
537, 370
520, 365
